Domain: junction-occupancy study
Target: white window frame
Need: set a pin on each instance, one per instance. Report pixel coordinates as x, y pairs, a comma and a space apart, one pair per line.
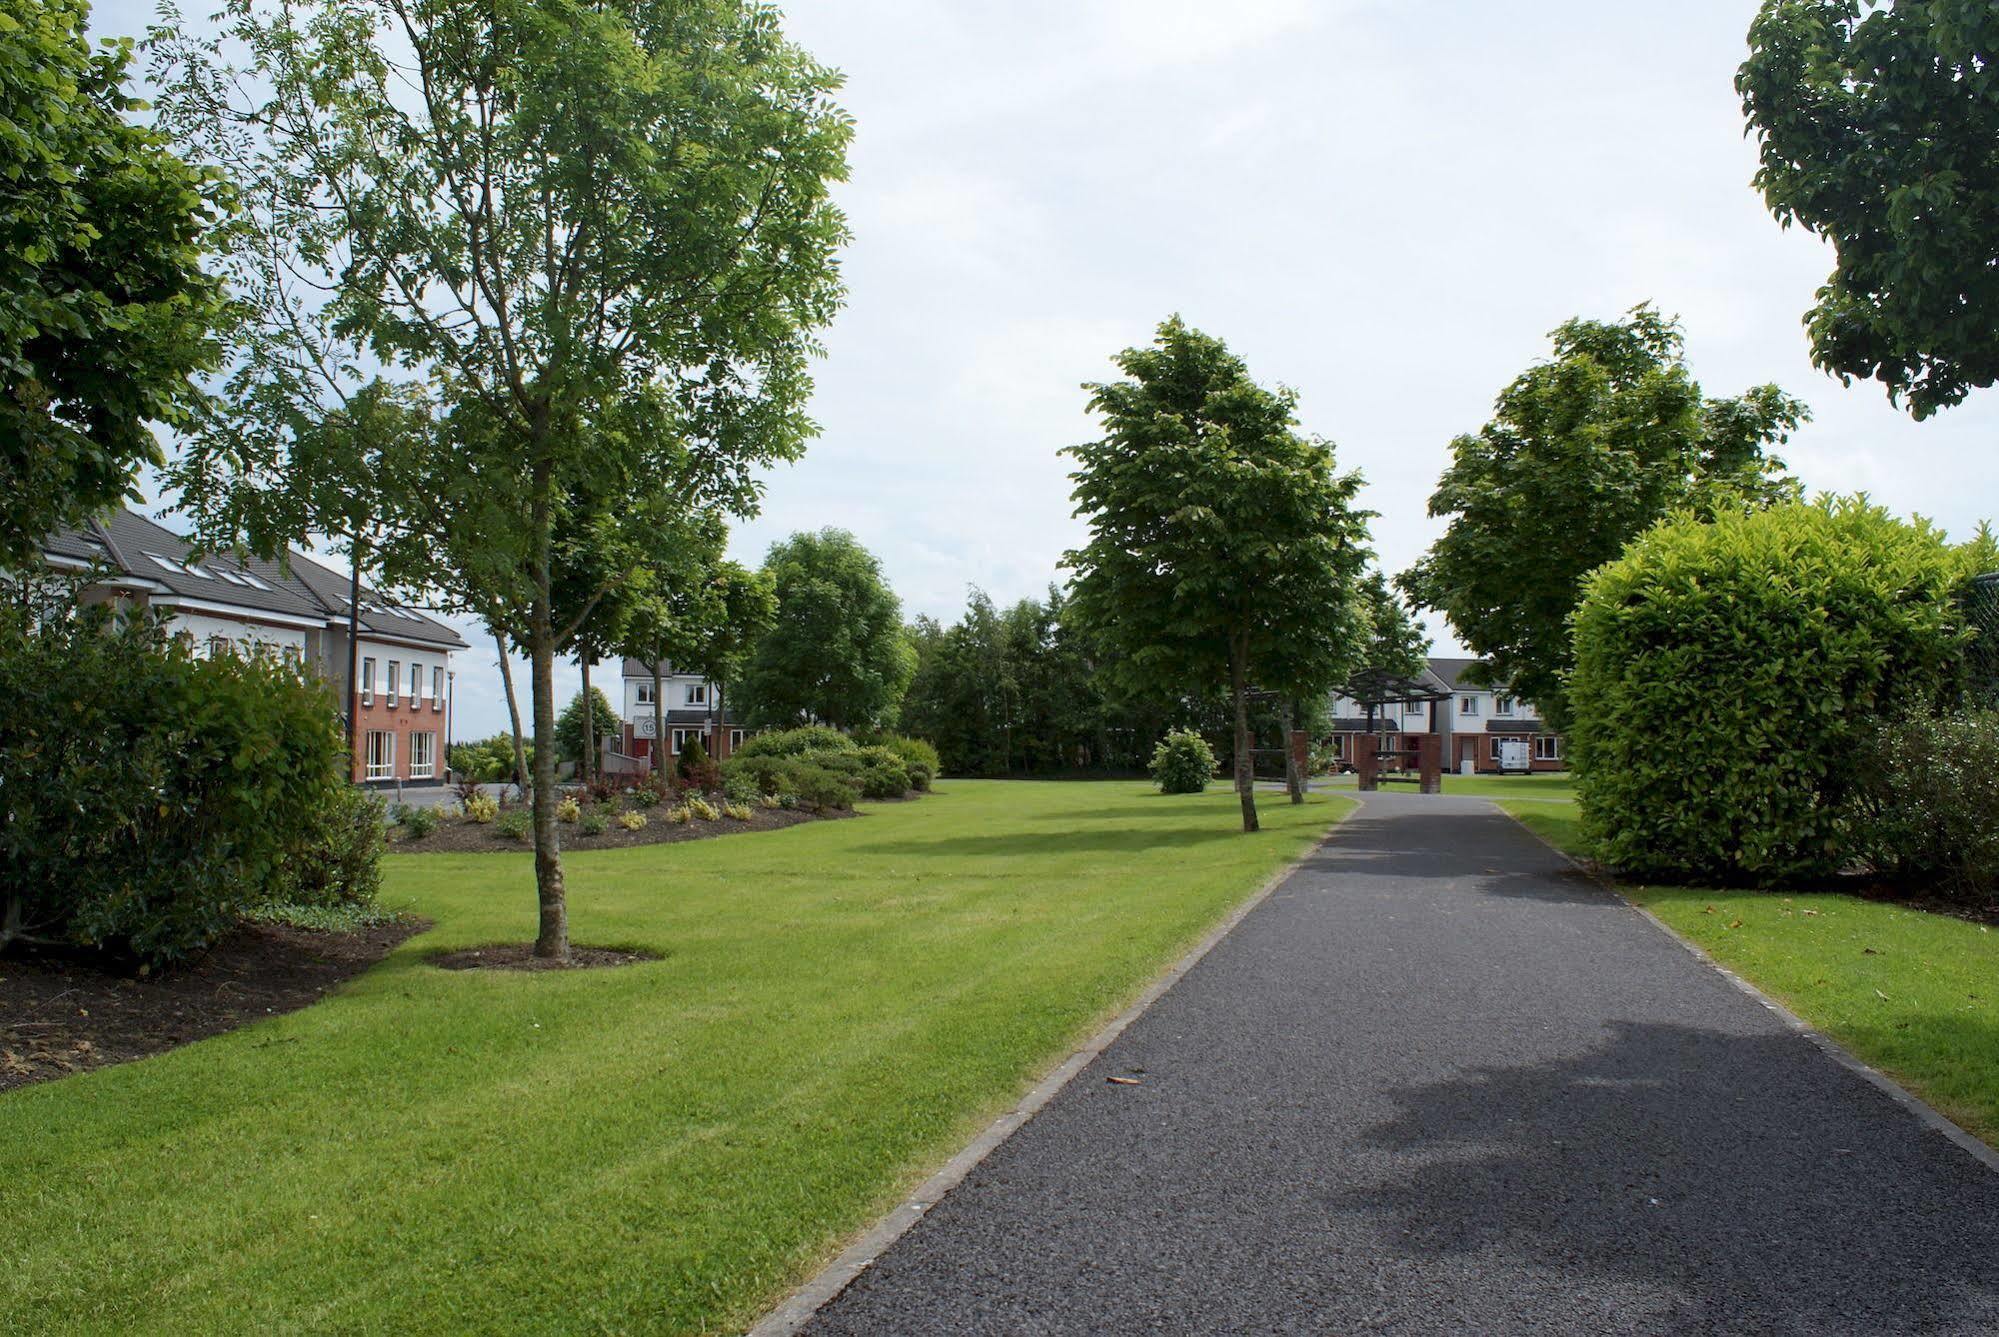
1413, 710
437, 687
1468, 707
384, 769
1502, 705
697, 694
367, 680
423, 759
395, 681
645, 691
1547, 747
682, 734
735, 739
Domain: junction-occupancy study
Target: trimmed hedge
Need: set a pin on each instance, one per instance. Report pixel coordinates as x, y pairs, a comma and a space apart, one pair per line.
795, 742
153, 798
1725, 670
1926, 804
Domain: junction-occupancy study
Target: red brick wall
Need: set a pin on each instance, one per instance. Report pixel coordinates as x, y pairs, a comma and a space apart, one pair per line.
409, 715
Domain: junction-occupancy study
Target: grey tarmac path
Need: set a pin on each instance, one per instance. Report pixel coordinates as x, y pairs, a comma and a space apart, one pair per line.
1440, 1082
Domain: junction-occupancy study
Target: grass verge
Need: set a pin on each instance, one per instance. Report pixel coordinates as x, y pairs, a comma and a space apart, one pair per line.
662, 1147
1912, 993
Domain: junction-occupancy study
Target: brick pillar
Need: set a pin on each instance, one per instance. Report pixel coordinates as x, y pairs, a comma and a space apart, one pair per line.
1301, 752
1430, 763
1366, 763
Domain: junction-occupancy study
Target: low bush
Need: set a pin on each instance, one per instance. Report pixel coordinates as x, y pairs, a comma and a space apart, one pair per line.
702, 808
795, 742
645, 796
918, 757
738, 812
417, 822
515, 824
1726, 672
153, 797
884, 777
568, 810
817, 787
481, 808
1183, 763
740, 785
593, 824
336, 859
1925, 809
632, 821
692, 763
679, 815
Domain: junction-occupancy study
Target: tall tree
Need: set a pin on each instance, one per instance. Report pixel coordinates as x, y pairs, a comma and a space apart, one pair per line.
1224, 548
106, 313
1879, 129
1584, 452
1396, 643
836, 652
602, 236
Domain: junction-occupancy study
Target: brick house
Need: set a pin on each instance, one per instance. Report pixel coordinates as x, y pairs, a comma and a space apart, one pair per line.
691, 706
220, 604
1487, 727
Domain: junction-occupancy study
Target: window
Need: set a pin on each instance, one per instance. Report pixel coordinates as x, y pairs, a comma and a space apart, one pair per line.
680, 737
437, 687
423, 756
368, 682
1502, 705
697, 693
735, 739
395, 680
645, 692
1468, 706
381, 755
169, 564
218, 646
1412, 710
1547, 747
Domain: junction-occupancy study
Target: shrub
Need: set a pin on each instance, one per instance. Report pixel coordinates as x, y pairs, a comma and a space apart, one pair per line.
417, 822
817, 787
593, 824
1183, 763
769, 801
490, 760
693, 758
151, 797
605, 788
1725, 672
739, 812
679, 816
740, 786
1925, 809
918, 757
770, 775
568, 810
515, 824
884, 779
645, 796
632, 821
337, 857
702, 808
795, 742
481, 808
465, 789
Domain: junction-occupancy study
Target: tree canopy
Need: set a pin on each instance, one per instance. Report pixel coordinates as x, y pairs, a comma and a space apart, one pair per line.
599, 241
106, 313
1879, 131
1584, 452
1224, 550
835, 652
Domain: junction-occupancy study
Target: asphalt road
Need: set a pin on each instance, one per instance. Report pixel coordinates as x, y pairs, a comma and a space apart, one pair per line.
1439, 1083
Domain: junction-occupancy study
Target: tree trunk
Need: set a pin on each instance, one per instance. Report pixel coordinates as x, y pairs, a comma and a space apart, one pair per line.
1294, 783
586, 760
552, 941
514, 714
659, 757
353, 648
1245, 773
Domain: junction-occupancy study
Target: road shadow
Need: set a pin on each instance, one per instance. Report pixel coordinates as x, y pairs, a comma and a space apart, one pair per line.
1746, 1180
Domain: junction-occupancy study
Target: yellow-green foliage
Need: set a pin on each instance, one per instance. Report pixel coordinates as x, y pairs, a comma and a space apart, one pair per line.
739, 812
703, 809
481, 808
679, 816
568, 810
632, 821
1725, 670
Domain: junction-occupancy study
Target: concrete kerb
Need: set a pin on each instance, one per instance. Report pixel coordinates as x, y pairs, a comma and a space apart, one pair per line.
798, 1308
1924, 1112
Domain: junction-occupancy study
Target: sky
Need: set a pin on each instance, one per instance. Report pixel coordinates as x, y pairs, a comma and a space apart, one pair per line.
1384, 204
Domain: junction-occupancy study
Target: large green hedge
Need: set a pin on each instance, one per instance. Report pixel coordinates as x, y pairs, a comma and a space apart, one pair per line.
1725, 672
148, 798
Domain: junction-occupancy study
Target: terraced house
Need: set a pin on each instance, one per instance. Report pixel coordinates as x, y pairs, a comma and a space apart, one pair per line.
690, 706
1484, 728
402, 690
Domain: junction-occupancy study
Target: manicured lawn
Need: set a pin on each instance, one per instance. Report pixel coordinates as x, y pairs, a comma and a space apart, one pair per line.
660, 1147
1547, 785
1915, 994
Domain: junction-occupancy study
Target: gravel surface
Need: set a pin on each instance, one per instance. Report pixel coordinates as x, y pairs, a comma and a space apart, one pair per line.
1440, 1083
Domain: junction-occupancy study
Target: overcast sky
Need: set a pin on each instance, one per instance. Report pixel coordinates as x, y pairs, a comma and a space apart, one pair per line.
1384, 205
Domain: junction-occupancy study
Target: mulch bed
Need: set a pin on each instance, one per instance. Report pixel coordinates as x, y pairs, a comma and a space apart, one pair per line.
456, 836
520, 956
60, 1015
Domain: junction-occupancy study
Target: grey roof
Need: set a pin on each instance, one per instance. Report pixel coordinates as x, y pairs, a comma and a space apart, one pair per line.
1528, 725
642, 668
1449, 673
142, 549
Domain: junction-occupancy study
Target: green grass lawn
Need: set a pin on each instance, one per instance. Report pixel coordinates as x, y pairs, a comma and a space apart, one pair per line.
1912, 993
660, 1147
1546, 785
